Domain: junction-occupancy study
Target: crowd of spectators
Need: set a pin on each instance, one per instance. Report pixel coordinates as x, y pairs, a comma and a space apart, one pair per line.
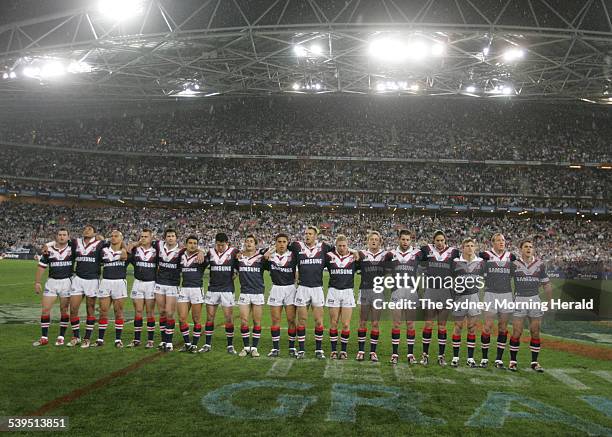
560, 242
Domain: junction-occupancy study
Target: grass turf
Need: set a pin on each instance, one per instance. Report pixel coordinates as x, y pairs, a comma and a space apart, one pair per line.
174, 393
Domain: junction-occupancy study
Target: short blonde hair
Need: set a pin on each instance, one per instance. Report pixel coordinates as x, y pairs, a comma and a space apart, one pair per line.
372, 233
341, 237
468, 240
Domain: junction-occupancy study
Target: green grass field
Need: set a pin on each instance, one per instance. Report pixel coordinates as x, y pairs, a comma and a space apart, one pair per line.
134, 391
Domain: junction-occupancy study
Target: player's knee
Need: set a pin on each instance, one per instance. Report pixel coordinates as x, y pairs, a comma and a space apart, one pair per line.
346, 326
375, 324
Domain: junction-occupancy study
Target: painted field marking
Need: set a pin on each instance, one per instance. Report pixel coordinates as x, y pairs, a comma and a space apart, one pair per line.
340, 369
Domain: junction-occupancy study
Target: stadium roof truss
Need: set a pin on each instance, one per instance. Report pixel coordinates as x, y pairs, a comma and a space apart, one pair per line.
241, 48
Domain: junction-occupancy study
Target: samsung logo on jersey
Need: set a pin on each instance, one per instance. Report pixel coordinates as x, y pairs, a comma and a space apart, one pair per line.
311, 261
405, 268
439, 264
189, 269
115, 264
498, 270
527, 279
221, 268
168, 265
86, 259
250, 269
281, 269
146, 265
61, 264
341, 272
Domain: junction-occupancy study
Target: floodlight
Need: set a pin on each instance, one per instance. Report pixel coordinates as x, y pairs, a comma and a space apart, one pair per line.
121, 9
299, 51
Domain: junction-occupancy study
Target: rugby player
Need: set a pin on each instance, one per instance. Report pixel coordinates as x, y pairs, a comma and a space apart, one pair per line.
372, 263
282, 263
404, 261
498, 293
166, 285
437, 257
113, 286
528, 274
190, 294
468, 272
311, 255
250, 272
143, 257
58, 258
341, 265
87, 252
223, 265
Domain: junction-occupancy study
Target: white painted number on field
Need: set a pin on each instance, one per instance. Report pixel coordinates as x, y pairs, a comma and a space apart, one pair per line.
563, 375
403, 373
352, 370
281, 367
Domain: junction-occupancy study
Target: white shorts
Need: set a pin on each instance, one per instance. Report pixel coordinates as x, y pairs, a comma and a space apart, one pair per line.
471, 311
225, 298
534, 311
143, 290
340, 298
282, 295
192, 295
500, 302
305, 296
368, 296
114, 288
251, 299
87, 287
168, 290
404, 294
57, 287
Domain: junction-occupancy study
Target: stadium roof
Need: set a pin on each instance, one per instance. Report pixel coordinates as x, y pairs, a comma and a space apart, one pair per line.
531, 49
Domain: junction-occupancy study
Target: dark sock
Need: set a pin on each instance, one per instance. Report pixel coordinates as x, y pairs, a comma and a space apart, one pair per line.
456, 345
319, 337
64, 322
256, 335
534, 345
410, 336
301, 335
229, 334
426, 339
374, 339
502, 337
441, 341
169, 330
485, 340
184, 327
137, 328
333, 339
275, 332
395, 339
89, 326
102, 325
514, 347
76, 327
209, 328
361, 336
344, 339
291, 336
150, 328
246, 335
471, 344
45, 321
162, 328
197, 332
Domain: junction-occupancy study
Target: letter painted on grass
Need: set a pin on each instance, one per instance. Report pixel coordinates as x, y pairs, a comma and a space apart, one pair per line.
219, 402
496, 409
346, 398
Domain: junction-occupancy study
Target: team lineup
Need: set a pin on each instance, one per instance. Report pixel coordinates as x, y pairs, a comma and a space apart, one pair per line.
169, 277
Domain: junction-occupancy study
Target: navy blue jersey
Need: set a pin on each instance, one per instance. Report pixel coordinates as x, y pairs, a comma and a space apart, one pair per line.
113, 266
371, 266
341, 270
250, 272
88, 257
168, 264
528, 277
498, 271
464, 269
192, 272
438, 264
310, 262
222, 268
282, 268
144, 262
404, 262
59, 261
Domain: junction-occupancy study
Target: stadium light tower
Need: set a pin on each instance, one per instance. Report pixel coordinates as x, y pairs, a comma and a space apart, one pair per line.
120, 10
